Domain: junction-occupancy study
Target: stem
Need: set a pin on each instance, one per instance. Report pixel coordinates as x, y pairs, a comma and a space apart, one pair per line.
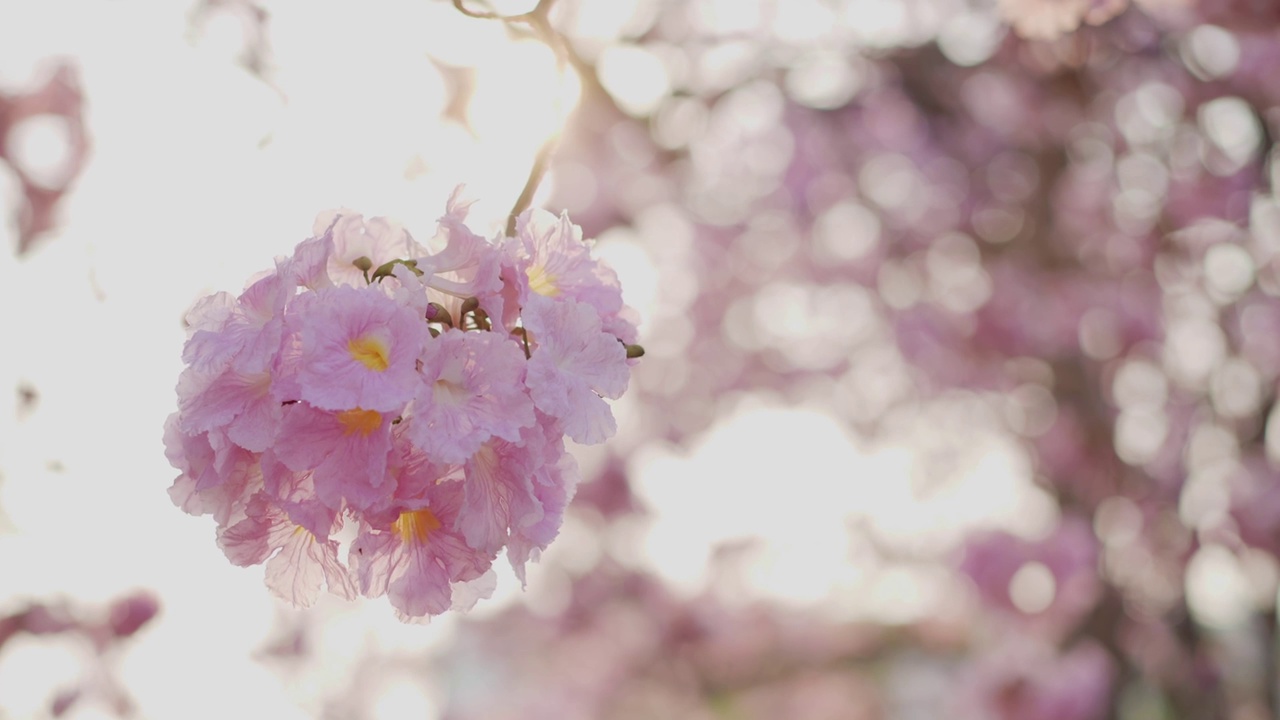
461, 7
536, 172
538, 20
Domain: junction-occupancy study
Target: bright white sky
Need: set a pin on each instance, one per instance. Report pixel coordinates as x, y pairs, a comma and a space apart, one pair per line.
199, 176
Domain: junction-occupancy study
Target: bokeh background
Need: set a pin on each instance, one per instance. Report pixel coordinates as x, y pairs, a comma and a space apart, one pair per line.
962, 340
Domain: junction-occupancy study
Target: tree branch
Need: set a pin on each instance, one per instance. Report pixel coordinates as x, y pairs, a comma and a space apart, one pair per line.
531, 184
538, 20
460, 6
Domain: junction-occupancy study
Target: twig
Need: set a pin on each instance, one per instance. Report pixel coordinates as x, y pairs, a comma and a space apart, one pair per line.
461, 7
531, 183
538, 20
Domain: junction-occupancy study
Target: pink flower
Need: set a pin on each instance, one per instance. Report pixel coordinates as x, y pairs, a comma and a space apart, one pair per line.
309, 265
574, 367
237, 400
413, 555
555, 480
553, 261
346, 451
497, 494
234, 344
216, 475
249, 326
295, 494
468, 264
352, 237
299, 562
471, 390
325, 392
356, 349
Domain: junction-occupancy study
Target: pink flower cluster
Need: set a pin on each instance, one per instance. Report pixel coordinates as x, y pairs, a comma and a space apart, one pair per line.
419, 400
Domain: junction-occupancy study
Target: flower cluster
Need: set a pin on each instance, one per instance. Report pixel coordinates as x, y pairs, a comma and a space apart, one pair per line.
420, 399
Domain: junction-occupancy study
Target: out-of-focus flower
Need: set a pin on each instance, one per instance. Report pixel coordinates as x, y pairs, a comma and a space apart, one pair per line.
104, 629
578, 364
1029, 682
1255, 504
1053, 581
1047, 19
128, 614
59, 97
1050, 19
466, 395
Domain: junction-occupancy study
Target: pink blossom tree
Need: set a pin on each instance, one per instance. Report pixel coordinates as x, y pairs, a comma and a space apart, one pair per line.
1052, 221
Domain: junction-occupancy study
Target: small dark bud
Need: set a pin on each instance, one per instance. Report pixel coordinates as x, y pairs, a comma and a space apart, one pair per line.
362, 263
470, 304
437, 313
634, 351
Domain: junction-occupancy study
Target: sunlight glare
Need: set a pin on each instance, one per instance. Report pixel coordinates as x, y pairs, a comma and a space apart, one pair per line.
796, 482
403, 697
877, 23
803, 22
728, 17
636, 78
521, 97
605, 22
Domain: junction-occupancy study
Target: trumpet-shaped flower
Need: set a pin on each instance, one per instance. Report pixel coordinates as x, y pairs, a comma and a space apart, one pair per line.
247, 327
575, 366
471, 391
553, 261
298, 561
555, 480
345, 450
497, 494
413, 555
216, 475
355, 349
468, 265
352, 237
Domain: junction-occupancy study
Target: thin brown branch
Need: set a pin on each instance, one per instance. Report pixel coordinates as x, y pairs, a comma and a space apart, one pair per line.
460, 6
536, 172
538, 20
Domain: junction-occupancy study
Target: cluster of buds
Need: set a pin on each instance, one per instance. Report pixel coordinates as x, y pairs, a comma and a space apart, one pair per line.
420, 400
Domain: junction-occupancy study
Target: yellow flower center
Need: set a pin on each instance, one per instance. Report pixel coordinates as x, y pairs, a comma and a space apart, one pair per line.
542, 282
414, 526
372, 352
360, 421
